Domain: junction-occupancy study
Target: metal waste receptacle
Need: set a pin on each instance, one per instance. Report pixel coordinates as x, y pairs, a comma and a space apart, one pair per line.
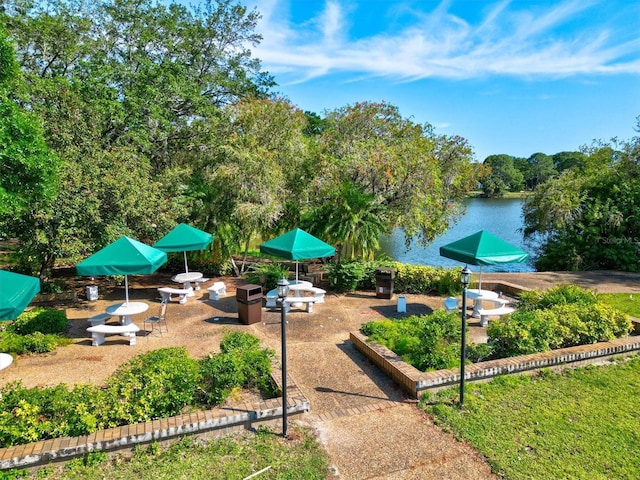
92, 293
249, 300
384, 282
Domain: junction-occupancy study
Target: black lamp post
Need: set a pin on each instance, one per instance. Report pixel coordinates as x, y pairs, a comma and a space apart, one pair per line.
465, 279
283, 291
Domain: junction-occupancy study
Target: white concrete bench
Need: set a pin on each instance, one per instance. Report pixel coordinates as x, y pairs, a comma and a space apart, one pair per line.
199, 282
318, 297
318, 293
99, 319
216, 290
271, 296
308, 301
499, 310
166, 292
98, 332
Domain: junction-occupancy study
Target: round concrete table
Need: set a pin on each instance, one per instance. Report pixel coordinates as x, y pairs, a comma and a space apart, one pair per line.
478, 296
5, 360
186, 279
125, 310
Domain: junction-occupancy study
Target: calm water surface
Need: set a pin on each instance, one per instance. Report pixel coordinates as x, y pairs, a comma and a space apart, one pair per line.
502, 217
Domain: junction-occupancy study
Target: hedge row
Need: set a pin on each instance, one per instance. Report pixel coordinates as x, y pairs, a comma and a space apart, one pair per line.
545, 320
153, 385
349, 276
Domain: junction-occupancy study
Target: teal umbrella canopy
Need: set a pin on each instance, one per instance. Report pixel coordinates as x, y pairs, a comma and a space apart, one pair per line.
16, 292
483, 248
297, 245
125, 256
184, 238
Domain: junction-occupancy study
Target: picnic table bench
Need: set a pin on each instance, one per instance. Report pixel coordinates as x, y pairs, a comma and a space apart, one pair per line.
98, 332
499, 310
166, 292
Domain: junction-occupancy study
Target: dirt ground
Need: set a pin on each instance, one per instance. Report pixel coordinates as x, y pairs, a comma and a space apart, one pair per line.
369, 427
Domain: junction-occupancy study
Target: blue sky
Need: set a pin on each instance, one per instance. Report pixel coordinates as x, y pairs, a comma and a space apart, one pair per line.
515, 77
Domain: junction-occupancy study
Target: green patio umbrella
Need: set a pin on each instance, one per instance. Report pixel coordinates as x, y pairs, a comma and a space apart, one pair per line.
125, 256
183, 238
297, 245
16, 292
483, 248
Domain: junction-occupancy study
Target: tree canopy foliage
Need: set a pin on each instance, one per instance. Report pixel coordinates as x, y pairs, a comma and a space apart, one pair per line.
588, 216
159, 114
27, 165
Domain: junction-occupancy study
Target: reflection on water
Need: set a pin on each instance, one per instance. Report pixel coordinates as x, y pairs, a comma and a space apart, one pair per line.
502, 217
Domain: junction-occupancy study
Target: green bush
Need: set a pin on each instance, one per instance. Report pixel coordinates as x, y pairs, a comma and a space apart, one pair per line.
346, 276
241, 363
561, 324
43, 320
428, 342
422, 279
153, 385
34, 343
560, 295
267, 274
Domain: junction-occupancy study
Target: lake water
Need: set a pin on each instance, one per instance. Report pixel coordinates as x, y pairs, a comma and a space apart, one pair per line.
501, 217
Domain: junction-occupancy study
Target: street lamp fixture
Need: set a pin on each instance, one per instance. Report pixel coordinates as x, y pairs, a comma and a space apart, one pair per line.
465, 279
283, 291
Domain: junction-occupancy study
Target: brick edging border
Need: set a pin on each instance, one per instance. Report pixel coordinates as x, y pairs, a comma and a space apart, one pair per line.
416, 383
214, 422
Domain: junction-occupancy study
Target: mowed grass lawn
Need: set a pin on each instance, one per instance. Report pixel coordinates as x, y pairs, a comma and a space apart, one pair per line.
580, 424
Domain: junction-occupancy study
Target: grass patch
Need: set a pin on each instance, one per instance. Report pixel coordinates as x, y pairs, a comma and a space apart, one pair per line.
628, 303
579, 424
300, 456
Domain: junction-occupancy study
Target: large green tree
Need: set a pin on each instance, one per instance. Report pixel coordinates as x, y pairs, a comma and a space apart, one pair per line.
27, 165
131, 92
501, 176
591, 220
407, 175
256, 182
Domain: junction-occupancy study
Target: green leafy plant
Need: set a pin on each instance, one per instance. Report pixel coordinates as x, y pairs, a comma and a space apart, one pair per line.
241, 363
267, 274
43, 320
428, 342
154, 385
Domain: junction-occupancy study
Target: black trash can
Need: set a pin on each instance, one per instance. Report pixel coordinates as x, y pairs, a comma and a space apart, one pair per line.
384, 282
249, 299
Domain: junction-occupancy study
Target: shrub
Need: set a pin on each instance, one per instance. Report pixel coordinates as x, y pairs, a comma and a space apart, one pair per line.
560, 295
34, 343
43, 320
427, 342
153, 385
346, 276
561, 325
352, 275
241, 363
267, 274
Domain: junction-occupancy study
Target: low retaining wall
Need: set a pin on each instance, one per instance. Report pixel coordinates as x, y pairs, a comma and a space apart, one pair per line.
208, 423
417, 383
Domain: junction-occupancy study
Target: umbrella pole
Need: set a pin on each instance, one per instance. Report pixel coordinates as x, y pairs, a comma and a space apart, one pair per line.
186, 267
296, 271
126, 289
480, 279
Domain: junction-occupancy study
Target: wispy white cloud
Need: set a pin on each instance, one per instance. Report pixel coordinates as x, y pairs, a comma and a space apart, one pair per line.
538, 41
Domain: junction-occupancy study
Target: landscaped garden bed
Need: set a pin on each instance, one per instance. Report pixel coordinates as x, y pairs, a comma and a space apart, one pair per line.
557, 327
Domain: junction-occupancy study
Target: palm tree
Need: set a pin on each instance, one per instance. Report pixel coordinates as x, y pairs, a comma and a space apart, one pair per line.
350, 220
